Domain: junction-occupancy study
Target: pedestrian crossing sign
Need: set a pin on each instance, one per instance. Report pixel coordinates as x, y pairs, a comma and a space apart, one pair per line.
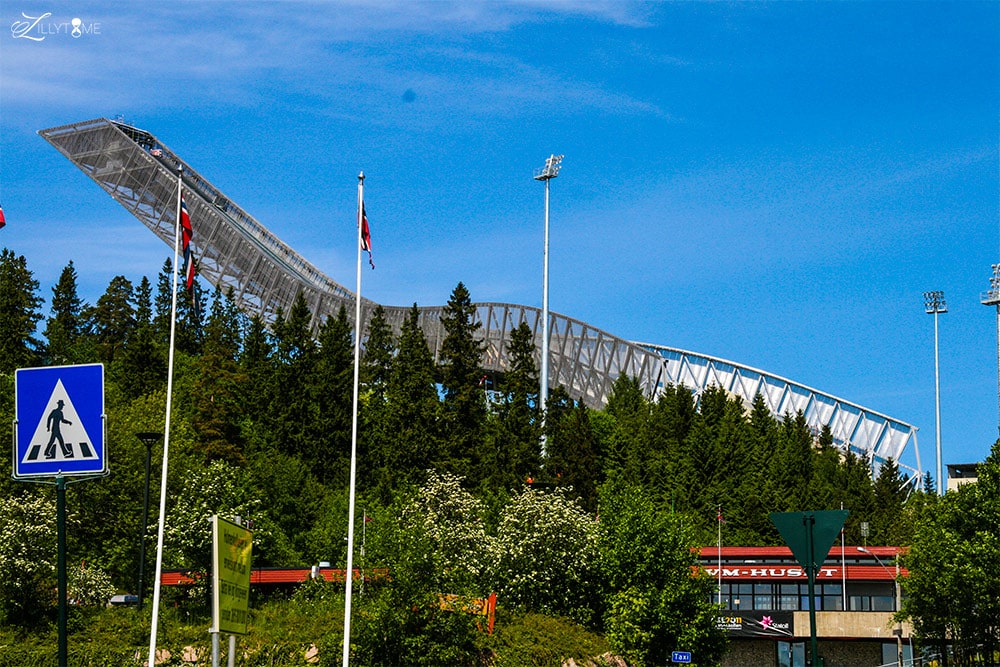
59, 422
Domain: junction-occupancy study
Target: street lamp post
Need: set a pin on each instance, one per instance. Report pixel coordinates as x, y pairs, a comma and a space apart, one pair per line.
546, 173
899, 623
148, 438
934, 304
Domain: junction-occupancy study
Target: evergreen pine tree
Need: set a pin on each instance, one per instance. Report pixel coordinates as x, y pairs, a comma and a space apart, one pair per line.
413, 408
376, 360
162, 303
217, 389
292, 413
464, 400
333, 394
113, 319
65, 327
628, 410
890, 492
512, 450
257, 363
573, 460
19, 314
143, 362
374, 437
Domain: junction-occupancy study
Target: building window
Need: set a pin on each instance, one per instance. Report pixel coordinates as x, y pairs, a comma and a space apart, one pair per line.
763, 596
795, 597
833, 597
788, 597
873, 603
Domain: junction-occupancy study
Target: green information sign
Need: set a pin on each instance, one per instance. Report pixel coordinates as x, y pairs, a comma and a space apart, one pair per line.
231, 550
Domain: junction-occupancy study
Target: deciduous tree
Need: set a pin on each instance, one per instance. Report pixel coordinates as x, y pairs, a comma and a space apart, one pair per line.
952, 591
654, 604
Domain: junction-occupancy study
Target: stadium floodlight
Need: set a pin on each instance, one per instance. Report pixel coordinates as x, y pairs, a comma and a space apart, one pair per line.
934, 304
991, 297
551, 169
546, 173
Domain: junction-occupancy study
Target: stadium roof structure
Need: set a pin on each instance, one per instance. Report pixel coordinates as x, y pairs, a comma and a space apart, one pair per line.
236, 251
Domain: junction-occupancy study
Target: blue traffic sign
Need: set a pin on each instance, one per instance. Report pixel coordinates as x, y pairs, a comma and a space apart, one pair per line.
680, 656
59, 421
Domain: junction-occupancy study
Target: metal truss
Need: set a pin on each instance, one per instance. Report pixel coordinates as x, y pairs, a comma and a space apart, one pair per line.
233, 250
265, 275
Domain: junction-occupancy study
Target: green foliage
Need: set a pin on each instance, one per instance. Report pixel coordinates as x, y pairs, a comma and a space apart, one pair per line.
952, 592
215, 488
19, 303
261, 427
89, 586
64, 328
537, 640
544, 556
435, 547
654, 604
27, 556
464, 407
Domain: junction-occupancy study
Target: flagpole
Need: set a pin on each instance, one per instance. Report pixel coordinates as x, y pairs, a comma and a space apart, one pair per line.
354, 432
719, 543
166, 431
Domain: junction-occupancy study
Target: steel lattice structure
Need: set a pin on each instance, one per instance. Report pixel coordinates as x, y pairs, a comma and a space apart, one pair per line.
235, 251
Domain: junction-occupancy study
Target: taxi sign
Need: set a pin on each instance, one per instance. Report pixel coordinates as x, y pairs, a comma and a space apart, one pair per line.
59, 421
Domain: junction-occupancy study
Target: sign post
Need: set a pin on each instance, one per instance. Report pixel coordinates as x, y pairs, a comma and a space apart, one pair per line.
810, 535
232, 548
59, 432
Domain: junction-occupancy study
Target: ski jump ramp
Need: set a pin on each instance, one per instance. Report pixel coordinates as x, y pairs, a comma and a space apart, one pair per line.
237, 252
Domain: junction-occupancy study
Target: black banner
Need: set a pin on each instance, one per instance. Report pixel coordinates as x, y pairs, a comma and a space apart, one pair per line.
758, 624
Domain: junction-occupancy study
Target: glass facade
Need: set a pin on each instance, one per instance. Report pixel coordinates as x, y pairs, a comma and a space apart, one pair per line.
795, 597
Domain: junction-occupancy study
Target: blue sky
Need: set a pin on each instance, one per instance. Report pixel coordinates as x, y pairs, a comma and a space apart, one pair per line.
773, 183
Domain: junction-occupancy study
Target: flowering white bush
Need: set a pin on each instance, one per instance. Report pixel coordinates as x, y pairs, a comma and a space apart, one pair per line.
451, 519
217, 488
89, 586
27, 552
544, 555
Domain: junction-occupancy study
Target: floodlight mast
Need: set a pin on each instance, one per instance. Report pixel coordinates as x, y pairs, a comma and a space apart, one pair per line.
934, 304
992, 298
547, 173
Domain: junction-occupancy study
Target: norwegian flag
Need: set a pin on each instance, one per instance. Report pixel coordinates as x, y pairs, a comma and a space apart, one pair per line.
3, 220
366, 237
187, 234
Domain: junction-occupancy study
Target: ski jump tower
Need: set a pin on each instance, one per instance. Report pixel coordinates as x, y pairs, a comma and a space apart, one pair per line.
237, 252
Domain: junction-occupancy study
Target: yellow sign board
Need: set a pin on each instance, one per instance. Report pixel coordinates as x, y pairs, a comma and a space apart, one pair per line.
231, 550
